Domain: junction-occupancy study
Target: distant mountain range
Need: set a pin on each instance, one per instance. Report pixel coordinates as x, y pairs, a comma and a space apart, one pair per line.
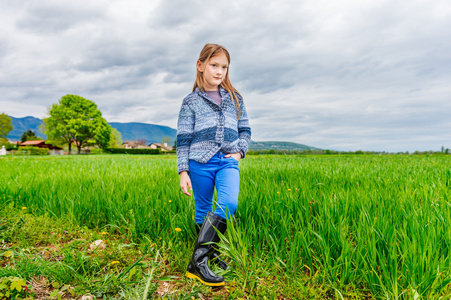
149, 132
20, 125
279, 146
129, 131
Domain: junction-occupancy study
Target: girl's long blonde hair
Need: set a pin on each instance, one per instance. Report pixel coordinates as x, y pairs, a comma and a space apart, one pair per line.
205, 55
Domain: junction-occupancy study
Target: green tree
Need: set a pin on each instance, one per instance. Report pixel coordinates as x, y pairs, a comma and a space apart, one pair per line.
5, 125
77, 120
115, 139
166, 139
29, 135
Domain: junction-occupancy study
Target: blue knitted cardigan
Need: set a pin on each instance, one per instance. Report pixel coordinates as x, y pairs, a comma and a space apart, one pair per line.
204, 128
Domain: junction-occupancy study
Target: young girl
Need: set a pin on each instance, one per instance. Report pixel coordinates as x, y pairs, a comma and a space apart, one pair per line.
213, 134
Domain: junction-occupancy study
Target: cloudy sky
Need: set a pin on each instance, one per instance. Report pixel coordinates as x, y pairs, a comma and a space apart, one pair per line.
344, 74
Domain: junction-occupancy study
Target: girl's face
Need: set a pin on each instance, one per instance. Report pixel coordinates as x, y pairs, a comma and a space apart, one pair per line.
214, 71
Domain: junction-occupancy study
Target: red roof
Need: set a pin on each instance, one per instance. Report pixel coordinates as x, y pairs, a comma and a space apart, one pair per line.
40, 144
32, 143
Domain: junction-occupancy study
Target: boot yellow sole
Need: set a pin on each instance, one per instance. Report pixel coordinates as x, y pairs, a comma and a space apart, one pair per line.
192, 276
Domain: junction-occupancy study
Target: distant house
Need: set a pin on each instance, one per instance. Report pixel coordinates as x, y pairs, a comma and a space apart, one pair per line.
134, 145
161, 146
128, 144
40, 144
138, 144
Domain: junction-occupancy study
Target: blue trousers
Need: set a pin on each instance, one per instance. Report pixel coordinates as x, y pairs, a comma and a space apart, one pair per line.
222, 173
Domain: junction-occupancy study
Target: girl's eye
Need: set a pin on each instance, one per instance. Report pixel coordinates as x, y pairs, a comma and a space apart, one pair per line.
213, 65
225, 68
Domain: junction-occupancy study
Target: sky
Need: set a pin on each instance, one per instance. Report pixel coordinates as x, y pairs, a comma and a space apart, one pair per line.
345, 75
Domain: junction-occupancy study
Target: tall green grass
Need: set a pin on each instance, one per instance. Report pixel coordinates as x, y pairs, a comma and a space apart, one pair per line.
377, 223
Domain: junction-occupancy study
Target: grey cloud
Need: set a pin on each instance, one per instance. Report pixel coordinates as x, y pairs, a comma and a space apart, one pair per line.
172, 14
105, 56
52, 18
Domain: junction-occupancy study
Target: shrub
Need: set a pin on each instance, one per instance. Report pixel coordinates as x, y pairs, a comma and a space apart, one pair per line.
96, 151
10, 147
30, 150
169, 152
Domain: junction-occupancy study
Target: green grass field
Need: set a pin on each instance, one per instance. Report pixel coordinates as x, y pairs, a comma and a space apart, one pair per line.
352, 227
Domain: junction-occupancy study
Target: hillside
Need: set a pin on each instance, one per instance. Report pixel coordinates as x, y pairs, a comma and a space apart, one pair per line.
279, 146
129, 131
149, 132
20, 125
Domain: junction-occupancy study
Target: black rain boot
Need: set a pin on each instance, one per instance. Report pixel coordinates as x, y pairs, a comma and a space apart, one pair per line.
198, 265
215, 256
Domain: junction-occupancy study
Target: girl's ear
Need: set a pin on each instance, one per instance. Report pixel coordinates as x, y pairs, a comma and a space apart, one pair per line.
200, 66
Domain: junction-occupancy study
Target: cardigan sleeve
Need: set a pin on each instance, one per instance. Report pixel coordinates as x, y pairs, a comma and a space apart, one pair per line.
244, 130
185, 133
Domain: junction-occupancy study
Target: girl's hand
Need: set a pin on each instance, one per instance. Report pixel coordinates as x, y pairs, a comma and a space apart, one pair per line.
236, 156
185, 183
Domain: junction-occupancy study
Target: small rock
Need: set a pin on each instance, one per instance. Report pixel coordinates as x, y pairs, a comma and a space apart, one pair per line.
97, 245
